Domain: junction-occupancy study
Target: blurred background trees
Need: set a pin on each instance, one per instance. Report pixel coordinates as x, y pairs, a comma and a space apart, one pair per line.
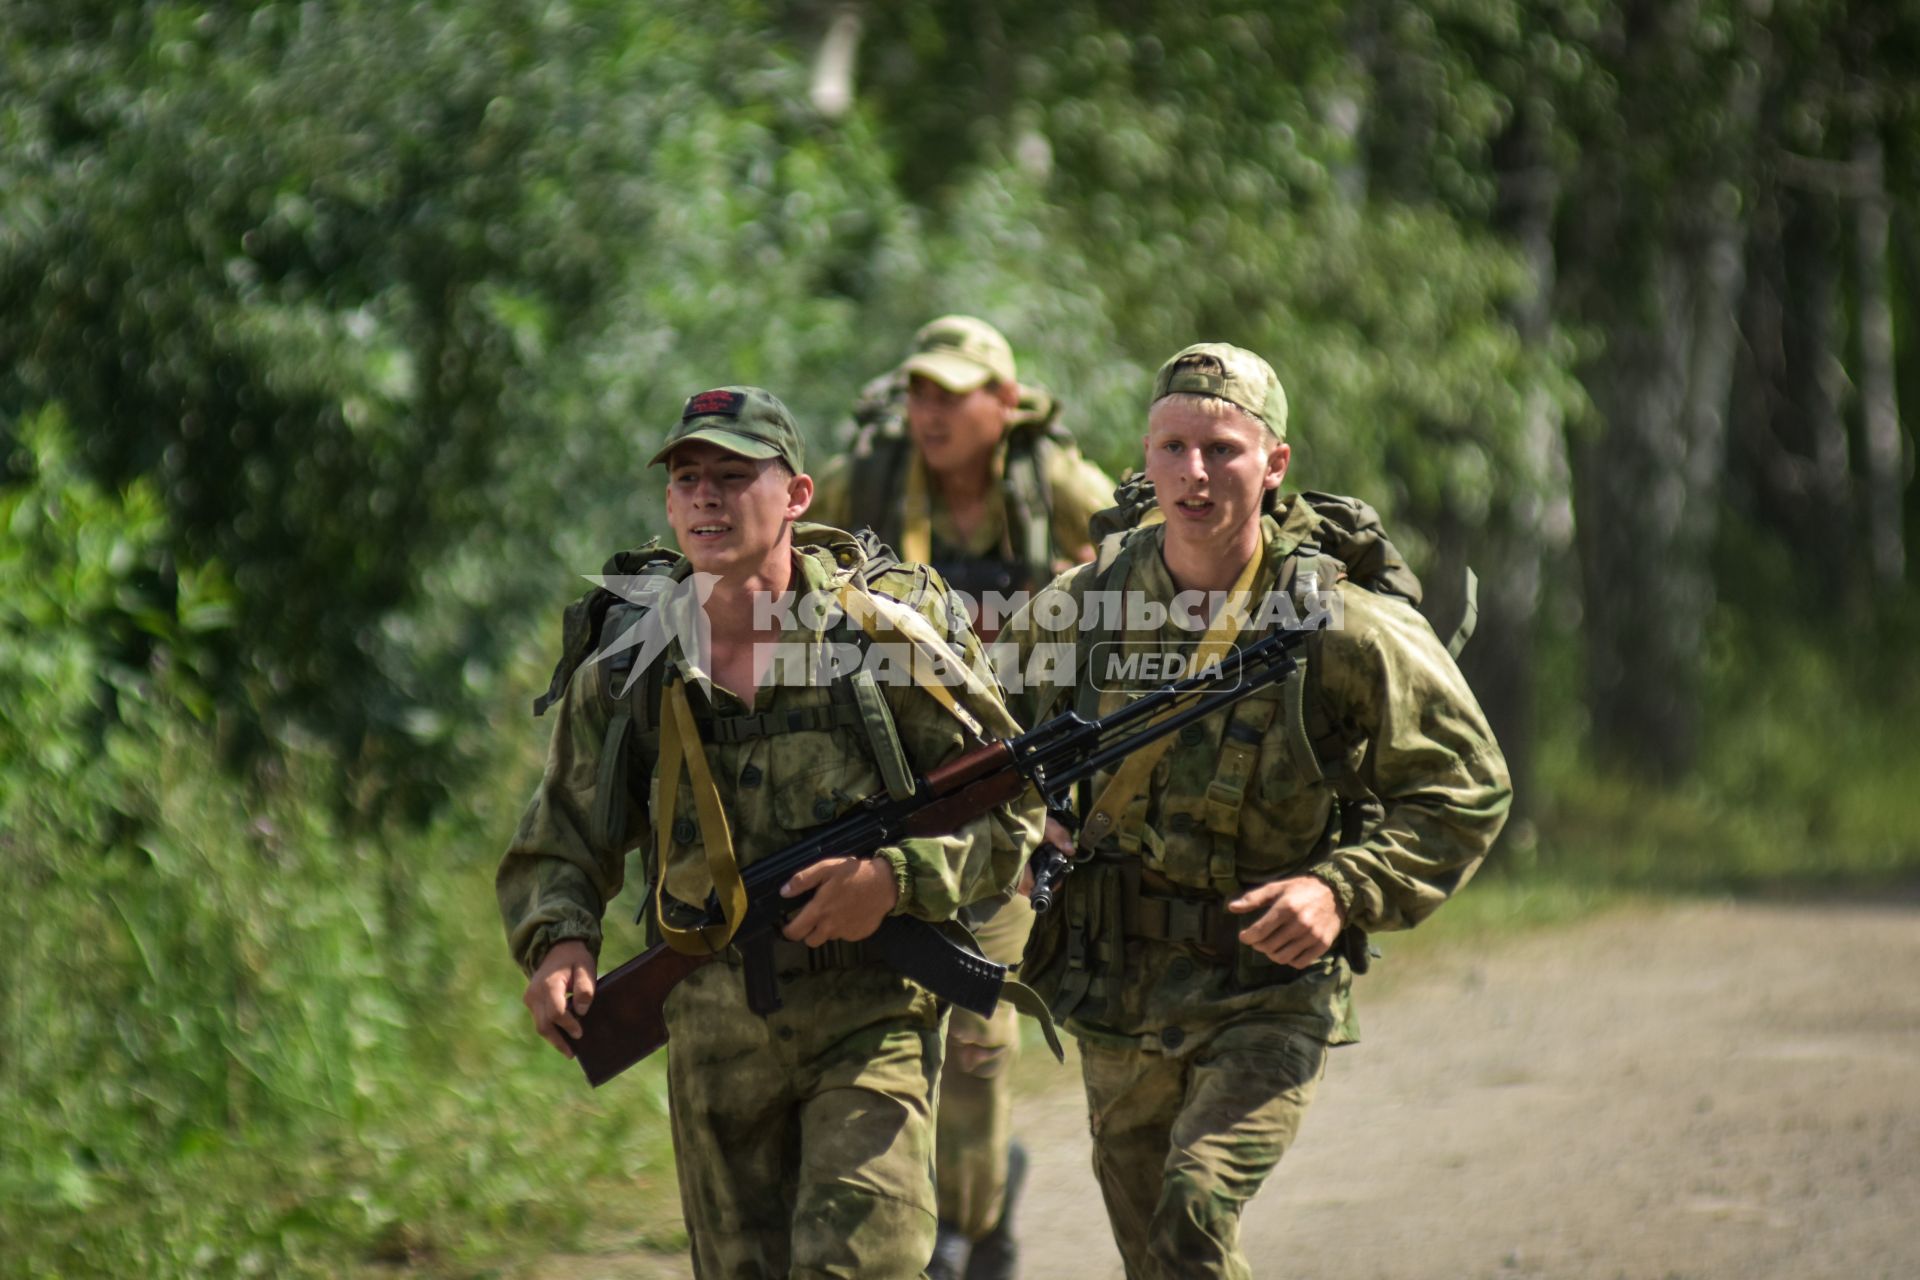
336, 336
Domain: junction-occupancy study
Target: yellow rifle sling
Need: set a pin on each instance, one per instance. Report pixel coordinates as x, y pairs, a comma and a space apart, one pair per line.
680, 746
1111, 804
916, 514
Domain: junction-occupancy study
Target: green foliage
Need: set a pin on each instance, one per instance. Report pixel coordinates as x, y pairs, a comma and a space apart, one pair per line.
1197, 175
236, 1038
262, 262
1804, 778
336, 337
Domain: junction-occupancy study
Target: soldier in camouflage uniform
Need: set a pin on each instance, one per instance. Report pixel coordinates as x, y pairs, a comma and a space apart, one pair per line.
1203, 952
959, 465
804, 1138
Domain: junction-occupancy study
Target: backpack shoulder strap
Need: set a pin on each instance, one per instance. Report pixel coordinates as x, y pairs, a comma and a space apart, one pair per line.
1029, 495
583, 621
879, 451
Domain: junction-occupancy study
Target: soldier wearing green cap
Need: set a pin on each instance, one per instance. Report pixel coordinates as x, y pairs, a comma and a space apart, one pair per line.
804, 1133
958, 465
1203, 950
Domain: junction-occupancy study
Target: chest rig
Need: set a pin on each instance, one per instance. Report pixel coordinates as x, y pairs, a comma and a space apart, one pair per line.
1315, 541
1320, 746
640, 705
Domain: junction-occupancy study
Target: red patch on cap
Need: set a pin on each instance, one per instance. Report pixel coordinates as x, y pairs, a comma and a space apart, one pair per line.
708, 403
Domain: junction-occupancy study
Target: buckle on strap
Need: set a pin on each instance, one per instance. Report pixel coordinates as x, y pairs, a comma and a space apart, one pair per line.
1223, 802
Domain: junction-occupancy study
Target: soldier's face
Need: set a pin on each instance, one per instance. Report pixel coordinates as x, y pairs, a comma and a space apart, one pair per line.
1210, 471
728, 512
957, 430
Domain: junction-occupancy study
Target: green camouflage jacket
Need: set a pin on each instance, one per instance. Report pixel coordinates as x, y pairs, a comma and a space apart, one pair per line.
556, 878
1077, 489
1419, 746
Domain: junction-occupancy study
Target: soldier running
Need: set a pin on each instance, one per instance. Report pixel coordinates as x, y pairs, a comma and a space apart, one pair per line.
804, 1136
1204, 948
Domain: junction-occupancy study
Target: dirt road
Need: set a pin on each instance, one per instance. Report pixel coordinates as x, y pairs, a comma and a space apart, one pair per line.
1698, 1091
1706, 1091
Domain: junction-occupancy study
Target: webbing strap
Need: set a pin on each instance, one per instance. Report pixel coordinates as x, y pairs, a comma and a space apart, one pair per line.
1032, 515
1112, 802
1239, 752
680, 746
1227, 792
916, 514
928, 653
766, 724
609, 819
1026, 1000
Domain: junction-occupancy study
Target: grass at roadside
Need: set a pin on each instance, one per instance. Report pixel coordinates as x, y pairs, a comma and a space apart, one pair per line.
272, 1046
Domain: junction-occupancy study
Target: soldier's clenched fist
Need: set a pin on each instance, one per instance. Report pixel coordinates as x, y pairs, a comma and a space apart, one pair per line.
1299, 919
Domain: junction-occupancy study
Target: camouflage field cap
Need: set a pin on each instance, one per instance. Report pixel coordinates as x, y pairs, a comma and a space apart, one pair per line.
1232, 373
743, 420
960, 353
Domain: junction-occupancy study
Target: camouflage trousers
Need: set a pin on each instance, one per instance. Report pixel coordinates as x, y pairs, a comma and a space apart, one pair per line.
804, 1140
976, 1092
1180, 1144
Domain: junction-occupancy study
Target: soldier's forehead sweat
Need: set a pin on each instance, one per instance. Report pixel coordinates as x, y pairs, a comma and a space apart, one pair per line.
1230, 373
749, 421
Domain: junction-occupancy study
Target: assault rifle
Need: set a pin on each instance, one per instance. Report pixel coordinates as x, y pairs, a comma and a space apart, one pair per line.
626, 1021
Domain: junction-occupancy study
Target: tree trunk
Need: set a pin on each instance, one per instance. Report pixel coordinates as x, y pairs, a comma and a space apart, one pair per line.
1663, 275
1879, 405
1816, 382
830, 88
1499, 662
1653, 487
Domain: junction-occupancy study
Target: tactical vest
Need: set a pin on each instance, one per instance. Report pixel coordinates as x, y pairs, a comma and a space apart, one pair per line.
631, 742
882, 451
1117, 899
1343, 540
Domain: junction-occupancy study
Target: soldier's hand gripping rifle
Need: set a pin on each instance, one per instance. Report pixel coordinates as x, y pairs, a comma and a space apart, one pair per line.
625, 1021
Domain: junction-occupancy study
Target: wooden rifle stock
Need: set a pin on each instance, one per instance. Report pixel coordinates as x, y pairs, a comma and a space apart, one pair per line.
626, 1020
967, 786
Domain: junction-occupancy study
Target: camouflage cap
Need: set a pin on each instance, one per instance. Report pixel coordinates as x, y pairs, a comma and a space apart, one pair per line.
743, 420
1232, 373
960, 353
